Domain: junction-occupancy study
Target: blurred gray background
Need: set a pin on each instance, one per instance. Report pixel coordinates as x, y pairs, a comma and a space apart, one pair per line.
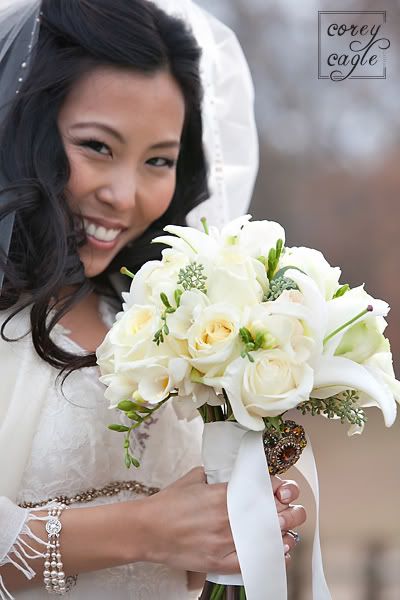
330, 174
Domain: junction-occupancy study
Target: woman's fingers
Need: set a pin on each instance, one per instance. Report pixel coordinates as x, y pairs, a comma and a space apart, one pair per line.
292, 517
285, 493
289, 542
288, 491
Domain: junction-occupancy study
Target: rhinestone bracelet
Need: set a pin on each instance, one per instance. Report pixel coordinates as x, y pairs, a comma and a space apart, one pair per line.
53, 574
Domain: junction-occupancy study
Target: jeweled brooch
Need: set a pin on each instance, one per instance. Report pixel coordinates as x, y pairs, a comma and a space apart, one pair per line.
283, 446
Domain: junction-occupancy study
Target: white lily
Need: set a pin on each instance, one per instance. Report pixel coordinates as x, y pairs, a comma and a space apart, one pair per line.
256, 238
343, 374
342, 310
189, 241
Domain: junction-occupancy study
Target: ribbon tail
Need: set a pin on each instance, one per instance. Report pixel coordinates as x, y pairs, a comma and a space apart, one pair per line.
254, 523
307, 467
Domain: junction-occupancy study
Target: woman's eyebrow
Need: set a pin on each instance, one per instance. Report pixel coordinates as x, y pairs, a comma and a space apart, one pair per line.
120, 138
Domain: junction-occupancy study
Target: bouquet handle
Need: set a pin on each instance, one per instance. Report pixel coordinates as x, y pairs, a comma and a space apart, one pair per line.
232, 453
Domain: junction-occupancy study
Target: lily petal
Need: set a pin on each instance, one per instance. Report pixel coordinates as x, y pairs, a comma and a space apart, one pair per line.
339, 371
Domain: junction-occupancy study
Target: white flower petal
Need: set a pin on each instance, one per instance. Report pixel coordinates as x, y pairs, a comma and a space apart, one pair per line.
338, 371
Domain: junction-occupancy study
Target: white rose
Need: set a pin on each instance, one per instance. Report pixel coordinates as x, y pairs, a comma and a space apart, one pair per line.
214, 338
131, 336
267, 387
280, 331
242, 277
314, 264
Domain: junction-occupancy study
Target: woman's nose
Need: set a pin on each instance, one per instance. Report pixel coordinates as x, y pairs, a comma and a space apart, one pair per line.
120, 191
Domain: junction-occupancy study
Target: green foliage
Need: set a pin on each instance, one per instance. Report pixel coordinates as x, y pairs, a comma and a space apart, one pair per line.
343, 406
342, 290
273, 258
164, 329
138, 413
279, 283
250, 343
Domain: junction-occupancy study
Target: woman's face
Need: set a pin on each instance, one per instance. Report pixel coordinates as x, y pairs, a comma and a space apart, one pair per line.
121, 131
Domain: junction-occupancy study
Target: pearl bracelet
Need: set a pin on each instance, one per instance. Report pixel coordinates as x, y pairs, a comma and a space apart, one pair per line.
53, 574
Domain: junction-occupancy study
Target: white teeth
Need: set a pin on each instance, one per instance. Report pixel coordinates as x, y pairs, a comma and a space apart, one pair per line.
101, 233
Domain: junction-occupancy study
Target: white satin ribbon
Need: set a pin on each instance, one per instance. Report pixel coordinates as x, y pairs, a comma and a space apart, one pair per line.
235, 455
232, 453
307, 467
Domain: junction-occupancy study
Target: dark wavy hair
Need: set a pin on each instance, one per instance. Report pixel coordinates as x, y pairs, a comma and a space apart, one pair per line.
75, 37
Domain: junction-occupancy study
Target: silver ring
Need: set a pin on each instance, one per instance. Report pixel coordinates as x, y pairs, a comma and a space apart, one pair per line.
294, 535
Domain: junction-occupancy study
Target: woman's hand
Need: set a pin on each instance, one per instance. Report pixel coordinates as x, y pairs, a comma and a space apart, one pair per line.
188, 527
290, 517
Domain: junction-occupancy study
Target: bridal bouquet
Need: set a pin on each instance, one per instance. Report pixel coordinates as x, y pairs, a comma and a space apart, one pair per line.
234, 325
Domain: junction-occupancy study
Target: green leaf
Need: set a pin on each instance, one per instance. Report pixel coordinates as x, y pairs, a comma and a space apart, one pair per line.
119, 428
128, 461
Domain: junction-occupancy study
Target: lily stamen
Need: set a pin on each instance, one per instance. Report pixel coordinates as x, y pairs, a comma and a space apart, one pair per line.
369, 308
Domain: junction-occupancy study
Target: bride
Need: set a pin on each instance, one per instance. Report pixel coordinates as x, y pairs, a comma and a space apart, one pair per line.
101, 146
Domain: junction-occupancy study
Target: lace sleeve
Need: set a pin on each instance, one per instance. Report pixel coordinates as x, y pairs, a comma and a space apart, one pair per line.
14, 540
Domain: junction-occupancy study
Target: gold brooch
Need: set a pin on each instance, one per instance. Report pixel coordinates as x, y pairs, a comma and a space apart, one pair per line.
283, 446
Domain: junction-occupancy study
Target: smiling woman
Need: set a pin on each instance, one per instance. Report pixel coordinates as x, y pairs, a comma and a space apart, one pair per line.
100, 148
123, 161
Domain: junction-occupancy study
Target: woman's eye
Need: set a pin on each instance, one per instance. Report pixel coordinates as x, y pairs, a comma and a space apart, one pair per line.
162, 162
97, 147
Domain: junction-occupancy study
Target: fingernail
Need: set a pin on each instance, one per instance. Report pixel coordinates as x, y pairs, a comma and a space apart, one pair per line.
282, 522
286, 548
285, 494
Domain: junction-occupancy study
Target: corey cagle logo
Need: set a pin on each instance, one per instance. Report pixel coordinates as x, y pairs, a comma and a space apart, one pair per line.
352, 45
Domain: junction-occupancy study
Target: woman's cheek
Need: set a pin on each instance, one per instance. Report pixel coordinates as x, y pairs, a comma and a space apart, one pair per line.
161, 200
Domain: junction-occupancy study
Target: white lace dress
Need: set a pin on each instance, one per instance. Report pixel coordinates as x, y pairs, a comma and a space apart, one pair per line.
74, 451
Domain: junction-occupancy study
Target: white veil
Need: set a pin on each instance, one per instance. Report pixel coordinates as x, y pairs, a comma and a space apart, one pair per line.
230, 135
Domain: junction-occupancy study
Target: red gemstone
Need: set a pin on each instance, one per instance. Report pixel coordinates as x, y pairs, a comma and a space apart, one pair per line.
288, 453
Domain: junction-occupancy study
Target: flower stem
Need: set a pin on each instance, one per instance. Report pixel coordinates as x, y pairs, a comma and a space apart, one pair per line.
353, 320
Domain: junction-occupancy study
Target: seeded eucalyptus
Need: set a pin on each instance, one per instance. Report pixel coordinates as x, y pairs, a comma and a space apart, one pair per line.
192, 277
343, 405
